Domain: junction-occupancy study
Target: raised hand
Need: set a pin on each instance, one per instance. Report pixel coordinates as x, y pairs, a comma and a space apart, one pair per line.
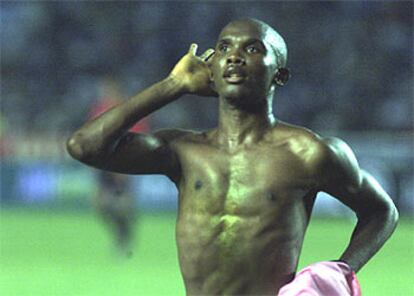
193, 72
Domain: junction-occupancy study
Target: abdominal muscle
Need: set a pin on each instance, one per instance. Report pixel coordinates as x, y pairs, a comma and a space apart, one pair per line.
224, 254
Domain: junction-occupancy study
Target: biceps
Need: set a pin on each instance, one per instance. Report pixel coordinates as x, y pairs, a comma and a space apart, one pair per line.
141, 154
367, 197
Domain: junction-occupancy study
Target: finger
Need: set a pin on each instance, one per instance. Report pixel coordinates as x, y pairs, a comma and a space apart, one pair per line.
193, 49
207, 54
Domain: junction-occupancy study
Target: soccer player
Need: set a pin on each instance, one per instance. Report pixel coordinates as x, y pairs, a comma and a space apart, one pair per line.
247, 187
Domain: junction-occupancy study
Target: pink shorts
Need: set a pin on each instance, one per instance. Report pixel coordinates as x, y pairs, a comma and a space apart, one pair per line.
323, 279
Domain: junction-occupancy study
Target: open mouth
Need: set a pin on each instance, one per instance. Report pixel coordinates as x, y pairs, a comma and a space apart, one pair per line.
234, 75
234, 79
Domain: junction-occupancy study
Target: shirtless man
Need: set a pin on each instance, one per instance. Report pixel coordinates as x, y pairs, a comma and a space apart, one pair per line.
247, 187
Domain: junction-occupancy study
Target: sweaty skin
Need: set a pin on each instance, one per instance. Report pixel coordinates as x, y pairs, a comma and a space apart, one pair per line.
243, 213
247, 187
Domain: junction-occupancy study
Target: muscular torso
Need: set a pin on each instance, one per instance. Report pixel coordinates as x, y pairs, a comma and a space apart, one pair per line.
242, 215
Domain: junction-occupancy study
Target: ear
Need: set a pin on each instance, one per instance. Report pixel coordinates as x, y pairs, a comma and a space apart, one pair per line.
282, 76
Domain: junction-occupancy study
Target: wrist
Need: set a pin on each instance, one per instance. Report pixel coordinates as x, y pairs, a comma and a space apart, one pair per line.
176, 84
346, 262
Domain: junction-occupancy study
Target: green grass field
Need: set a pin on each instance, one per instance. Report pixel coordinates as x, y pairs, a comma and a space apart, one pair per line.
49, 253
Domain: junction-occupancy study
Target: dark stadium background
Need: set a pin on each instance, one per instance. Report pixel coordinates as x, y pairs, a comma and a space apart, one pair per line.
352, 76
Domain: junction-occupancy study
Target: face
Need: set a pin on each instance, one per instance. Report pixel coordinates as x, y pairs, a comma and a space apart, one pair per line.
244, 64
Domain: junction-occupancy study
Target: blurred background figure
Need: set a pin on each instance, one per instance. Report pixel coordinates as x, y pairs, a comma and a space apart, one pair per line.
114, 199
4, 141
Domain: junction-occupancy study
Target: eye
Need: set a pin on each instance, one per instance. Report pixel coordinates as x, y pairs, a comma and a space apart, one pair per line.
252, 49
223, 47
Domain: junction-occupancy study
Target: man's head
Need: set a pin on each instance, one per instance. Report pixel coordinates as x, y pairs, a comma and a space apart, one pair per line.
250, 59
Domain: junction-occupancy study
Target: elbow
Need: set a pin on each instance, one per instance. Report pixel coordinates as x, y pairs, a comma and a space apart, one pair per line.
391, 217
76, 147
384, 213
394, 215
388, 213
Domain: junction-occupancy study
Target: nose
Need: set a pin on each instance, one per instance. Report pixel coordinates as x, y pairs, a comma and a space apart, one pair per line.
235, 59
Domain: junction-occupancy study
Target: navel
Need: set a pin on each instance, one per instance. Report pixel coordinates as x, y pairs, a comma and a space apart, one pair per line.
198, 184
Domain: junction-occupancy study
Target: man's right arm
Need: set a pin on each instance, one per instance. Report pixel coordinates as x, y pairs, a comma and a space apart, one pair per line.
105, 142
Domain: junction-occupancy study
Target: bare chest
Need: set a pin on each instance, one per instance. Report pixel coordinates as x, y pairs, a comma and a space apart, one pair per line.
242, 183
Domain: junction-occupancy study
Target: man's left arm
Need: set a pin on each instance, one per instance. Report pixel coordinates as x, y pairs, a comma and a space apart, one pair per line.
375, 210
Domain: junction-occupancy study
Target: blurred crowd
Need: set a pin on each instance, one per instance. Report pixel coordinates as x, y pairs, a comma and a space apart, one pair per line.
351, 61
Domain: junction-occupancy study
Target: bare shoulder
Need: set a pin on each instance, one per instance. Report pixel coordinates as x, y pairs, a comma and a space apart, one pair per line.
328, 158
301, 141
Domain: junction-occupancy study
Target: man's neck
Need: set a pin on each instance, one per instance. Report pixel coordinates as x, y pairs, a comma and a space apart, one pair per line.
238, 127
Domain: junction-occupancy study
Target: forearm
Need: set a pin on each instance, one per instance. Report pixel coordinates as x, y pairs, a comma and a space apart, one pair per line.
100, 135
370, 234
